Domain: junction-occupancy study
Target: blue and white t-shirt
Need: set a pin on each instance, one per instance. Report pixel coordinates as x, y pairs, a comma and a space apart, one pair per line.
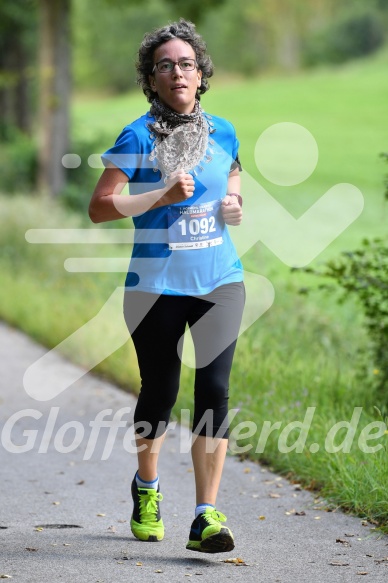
184, 248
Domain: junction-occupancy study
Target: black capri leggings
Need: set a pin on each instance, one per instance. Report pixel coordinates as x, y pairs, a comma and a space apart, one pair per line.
157, 324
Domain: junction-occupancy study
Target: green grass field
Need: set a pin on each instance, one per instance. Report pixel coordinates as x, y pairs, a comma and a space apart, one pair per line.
303, 352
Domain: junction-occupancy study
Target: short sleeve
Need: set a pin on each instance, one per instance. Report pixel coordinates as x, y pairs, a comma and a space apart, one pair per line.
126, 154
236, 160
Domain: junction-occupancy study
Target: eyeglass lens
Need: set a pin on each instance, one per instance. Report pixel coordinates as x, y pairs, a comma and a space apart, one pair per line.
167, 66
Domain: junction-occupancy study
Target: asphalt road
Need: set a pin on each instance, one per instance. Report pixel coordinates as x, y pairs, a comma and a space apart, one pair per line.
65, 510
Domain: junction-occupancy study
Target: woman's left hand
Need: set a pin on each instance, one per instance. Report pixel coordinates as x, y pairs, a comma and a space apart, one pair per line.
231, 210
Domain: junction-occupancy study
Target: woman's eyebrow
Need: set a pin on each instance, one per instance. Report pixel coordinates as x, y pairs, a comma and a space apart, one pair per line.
180, 59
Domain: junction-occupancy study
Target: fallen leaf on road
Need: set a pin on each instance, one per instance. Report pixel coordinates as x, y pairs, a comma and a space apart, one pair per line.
301, 513
101, 514
261, 517
31, 549
338, 564
290, 512
81, 483
272, 495
111, 529
139, 564
343, 542
373, 521
39, 529
236, 561
362, 573
5, 576
158, 571
56, 503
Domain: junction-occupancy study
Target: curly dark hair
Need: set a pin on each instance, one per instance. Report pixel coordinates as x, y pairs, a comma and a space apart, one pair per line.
185, 30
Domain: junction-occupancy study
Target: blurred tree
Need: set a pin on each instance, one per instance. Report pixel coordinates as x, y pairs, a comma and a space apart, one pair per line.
17, 44
54, 93
356, 28
55, 78
245, 37
105, 48
194, 10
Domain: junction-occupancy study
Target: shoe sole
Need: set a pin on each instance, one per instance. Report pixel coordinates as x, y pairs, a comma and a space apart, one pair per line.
152, 538
221, 542
145, 537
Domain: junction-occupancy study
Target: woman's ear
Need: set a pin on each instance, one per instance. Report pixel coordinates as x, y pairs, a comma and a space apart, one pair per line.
199, 78
152, 83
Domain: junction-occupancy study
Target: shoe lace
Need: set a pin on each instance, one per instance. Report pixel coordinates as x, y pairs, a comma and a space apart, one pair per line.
149, 503
214, 515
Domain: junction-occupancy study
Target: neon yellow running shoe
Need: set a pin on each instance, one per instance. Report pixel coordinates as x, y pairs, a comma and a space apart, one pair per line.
207, 535
146, 523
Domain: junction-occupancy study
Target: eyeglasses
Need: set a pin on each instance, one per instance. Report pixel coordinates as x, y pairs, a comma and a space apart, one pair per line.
167, 66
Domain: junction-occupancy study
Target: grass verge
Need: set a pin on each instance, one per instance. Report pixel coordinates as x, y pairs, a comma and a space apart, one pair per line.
296, 359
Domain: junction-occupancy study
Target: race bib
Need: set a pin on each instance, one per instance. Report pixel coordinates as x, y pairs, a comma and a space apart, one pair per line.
196, 226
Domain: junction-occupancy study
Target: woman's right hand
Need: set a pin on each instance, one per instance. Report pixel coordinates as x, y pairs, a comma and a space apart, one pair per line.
179, 187
107, 203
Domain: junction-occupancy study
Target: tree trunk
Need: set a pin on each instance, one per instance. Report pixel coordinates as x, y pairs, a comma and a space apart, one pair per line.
54, 98
6, 110
22, 97
14, 92
288, 49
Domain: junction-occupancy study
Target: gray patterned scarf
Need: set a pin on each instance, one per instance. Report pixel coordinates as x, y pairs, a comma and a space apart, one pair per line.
181, 139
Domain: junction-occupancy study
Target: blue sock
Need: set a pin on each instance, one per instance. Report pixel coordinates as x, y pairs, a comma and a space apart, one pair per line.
200, 509
144, 484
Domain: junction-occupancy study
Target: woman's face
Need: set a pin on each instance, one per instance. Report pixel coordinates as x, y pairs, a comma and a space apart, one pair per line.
177, 88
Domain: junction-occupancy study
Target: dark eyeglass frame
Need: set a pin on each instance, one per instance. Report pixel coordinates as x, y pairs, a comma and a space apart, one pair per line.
173, 63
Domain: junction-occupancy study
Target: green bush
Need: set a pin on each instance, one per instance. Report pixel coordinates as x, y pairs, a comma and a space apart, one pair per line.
18, 162
80, 182
349, 37
19, 169
363, 274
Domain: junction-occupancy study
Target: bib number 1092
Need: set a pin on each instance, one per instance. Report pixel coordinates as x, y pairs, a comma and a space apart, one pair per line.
198, 226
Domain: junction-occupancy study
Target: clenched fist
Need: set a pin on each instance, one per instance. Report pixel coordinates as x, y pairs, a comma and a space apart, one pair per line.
179, 187
231, 210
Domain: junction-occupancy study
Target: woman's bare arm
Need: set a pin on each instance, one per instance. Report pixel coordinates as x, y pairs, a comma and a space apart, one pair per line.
108, 204
231, 210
